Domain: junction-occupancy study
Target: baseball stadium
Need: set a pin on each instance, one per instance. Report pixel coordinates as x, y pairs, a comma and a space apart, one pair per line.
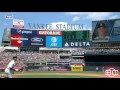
62, 53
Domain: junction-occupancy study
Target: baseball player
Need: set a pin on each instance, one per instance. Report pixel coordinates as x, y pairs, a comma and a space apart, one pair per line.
102, 32
10, 66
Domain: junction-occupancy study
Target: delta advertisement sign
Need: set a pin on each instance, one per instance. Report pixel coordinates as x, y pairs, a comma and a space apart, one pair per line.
25, 40
77, 44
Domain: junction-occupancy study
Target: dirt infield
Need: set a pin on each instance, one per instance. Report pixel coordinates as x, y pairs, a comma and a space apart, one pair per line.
66, 74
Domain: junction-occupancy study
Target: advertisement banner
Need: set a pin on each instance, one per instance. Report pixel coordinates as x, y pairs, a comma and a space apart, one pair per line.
18, 23
16, 40
63, 63
23, 31
76, 68
106, 30
61, 69
77, 44
54, 41
26, 40
37, 41
49, 32
52, 63
19, 40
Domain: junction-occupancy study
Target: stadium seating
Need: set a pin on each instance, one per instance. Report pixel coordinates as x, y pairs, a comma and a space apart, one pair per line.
6, 56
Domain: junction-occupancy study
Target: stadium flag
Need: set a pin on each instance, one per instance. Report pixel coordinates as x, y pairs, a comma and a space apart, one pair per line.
18, 23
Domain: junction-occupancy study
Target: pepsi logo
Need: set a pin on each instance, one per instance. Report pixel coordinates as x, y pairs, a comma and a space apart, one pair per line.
19, 31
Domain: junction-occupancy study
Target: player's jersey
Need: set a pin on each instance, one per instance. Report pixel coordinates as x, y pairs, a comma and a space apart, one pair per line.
106, 38
11, 64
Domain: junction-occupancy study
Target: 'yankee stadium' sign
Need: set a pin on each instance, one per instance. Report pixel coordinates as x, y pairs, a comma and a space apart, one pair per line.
77, 44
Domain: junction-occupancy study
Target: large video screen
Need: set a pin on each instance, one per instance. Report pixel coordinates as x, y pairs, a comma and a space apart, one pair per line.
106, 30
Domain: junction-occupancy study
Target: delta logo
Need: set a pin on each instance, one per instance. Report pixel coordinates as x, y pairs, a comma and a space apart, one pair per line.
77, 44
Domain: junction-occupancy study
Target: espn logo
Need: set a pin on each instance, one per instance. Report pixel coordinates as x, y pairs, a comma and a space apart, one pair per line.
9, 16
111, 72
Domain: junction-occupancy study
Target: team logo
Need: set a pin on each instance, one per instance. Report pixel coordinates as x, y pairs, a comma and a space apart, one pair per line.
19, 31
111, 72
37, 39
53, 40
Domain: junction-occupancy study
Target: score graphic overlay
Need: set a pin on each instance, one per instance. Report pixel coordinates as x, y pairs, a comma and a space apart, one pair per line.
111, 72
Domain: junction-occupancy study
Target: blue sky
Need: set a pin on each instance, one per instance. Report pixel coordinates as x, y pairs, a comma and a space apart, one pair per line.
53, 18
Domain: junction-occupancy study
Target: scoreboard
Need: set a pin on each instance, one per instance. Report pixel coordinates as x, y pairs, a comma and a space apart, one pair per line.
47, 38
76, 35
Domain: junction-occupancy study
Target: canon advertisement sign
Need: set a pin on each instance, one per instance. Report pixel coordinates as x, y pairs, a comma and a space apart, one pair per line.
54, 33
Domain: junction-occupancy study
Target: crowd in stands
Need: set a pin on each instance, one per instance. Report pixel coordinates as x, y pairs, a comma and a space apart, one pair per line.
72, 60
6, 56
43, 56
29, 56
103, 51
79, 51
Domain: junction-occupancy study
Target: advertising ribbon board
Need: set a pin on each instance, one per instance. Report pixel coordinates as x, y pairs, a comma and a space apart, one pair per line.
76, 68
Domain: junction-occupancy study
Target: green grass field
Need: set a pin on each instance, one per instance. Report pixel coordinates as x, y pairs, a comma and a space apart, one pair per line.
60, 74
54, 74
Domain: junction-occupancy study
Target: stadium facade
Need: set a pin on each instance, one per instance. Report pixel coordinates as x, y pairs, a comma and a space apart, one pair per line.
6, 37
24, 38
69, 44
